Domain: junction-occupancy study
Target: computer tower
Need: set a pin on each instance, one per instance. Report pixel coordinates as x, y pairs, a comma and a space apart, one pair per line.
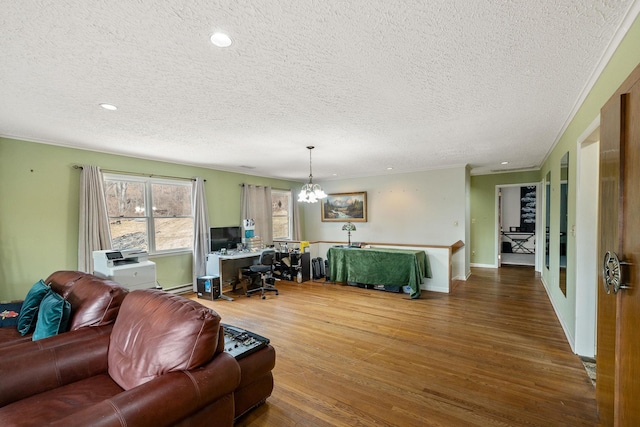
208, 287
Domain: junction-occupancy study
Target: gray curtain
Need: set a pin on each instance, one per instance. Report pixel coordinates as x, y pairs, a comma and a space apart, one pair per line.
256, 205
296, 233
94, 232
200, 230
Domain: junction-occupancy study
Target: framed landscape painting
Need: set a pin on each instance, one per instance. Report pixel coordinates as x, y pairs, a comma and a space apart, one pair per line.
345, 207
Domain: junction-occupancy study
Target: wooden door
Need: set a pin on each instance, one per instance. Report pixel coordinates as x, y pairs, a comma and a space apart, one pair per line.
500, 227
618, 347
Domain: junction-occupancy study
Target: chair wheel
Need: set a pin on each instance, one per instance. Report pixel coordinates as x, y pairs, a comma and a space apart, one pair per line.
264, 297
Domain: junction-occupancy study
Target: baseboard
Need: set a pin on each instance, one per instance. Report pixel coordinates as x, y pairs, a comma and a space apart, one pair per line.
180, 289
483, 265
433, 288
462, 278
567, 334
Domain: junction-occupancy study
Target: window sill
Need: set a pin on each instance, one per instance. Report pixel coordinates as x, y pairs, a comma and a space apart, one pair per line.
170, 253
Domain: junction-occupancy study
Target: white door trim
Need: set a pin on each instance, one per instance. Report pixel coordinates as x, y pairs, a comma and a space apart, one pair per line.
586, 234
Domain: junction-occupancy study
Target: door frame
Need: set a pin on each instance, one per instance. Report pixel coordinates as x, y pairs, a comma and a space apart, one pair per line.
586, 235
538, 235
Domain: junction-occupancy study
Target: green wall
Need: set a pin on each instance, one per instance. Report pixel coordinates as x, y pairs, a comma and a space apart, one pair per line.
39, 193
621, 64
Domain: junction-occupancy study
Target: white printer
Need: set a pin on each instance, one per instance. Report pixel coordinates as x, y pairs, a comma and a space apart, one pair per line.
129, 267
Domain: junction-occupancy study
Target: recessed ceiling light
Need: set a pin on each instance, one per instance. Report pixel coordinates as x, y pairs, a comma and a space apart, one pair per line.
504, 163
220, 39
389, 168
109, 107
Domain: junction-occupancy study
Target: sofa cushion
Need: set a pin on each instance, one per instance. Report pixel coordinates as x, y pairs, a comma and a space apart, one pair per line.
29, 312
10, 336
61, 281
26, 345
94, 301
53, 316
156, 333
43, 408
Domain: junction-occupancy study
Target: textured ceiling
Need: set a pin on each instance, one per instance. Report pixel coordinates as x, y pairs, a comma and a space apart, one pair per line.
412, 85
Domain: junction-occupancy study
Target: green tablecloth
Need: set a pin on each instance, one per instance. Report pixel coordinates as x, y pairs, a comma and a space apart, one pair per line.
377, 266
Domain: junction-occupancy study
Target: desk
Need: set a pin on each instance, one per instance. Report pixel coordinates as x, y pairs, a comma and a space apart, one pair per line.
377, 266
519, 240
226, 266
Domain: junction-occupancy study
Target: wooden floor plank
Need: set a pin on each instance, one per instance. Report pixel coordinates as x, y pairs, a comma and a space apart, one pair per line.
491, 353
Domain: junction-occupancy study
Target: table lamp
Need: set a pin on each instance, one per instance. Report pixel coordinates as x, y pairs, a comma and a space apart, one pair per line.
349, 227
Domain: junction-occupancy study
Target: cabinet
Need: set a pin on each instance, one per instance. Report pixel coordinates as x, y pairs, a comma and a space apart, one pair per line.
137, 275
290, 263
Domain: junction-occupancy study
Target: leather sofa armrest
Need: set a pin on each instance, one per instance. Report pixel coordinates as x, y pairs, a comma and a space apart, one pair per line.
24, 375
165, 400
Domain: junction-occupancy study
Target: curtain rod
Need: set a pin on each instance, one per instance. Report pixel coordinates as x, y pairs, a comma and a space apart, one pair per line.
273, 188
141, 174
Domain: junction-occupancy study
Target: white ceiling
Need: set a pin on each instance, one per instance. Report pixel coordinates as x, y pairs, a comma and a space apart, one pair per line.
410, 84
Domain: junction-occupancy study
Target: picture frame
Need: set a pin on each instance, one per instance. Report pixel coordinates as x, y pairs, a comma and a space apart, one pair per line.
344, 207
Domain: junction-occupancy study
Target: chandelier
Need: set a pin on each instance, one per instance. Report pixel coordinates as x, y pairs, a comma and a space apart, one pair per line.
311, 192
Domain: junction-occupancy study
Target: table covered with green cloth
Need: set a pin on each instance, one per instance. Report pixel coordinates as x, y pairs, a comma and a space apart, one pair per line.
379, 266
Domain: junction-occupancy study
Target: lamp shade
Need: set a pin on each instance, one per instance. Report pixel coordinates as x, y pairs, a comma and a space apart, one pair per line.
349, 227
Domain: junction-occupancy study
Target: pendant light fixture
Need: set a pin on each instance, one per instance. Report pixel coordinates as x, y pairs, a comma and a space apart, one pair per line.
311, 192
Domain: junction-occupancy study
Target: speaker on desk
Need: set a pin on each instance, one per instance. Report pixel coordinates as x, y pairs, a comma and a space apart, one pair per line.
208, 287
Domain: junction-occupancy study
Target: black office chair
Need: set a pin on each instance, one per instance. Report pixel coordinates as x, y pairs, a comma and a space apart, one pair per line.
264, 269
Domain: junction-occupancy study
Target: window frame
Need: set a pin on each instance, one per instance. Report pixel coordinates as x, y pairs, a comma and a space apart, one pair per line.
148, 216
289, 213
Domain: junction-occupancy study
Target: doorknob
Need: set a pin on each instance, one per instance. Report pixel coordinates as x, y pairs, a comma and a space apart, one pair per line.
612, 273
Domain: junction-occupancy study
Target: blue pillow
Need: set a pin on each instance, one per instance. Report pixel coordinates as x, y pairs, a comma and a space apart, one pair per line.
29, 313
53, 316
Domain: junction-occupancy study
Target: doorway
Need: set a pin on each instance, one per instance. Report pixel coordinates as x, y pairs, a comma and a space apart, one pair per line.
517, 217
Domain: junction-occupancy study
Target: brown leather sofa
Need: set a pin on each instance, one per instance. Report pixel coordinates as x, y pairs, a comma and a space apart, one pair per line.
95, 303
163, 364
256, 380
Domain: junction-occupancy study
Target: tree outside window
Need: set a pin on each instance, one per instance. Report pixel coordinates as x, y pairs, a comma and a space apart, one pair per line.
281, 214
150, 214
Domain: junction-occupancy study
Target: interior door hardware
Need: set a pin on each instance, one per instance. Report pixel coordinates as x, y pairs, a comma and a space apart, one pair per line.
612, 273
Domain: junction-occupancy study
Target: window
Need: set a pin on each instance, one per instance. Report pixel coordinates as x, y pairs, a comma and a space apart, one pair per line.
149, 213
281, 213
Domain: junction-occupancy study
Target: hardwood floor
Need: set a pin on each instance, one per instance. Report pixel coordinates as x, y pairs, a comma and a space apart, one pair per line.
491, 353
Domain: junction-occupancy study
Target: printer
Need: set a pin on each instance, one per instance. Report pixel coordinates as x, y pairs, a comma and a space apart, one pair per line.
129, 267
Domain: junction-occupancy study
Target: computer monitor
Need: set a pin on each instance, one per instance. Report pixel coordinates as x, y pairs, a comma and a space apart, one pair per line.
224, 238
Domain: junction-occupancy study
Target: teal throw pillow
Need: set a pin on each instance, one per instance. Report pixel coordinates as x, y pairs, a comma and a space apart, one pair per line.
53, 316
30, 306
